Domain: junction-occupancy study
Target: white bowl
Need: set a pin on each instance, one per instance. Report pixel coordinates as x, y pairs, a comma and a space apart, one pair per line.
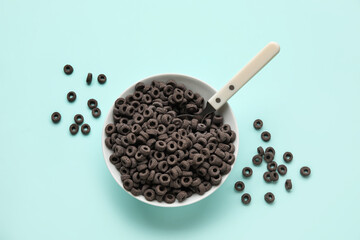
206, 92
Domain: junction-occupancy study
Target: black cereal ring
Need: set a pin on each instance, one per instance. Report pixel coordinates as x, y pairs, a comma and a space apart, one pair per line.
137, 95
171, 146
128, 184
101, 78
265, 136
223, 147
79, 119
270, 149
269, 197
189, 95
123, 129
247, 172
136, 128
213, 171
201, 127
71, 96
119, 101
145, 150
214, 159
216, 180
152, 123
225, 170
168, 90
202, 172
225, 128
74, 128
161, 129
268, 157
217, 119
132, 140
181, 196
239, 186
230, 158
258, 124
246, 198
172, 160
164, 179
163, 166
142, 133
159, 198
205, 152
288, 184
68, 69
92, 103
174, 173
126, 162
56, 117
196, 182
169, 198
124, 177
186, 173
148, 113
274, 176
178, 97
160, 145
139, 86
131, 151
288, 157
130, 111
144, 174
123, 170
89, 78
114, 159
198, 147
171, 82
282, 169
232, 148
85, 129
305, 171
149, 194
186, 181
219, 153
135, 191
164, 137
154, 92
267, 177
260, 151
152, 164
198, 159
138, 156
150, 142
171, 128
221, 136
207, 166
272, 166
160, 190
96, 112
175, 184
200, 189
257, 160
135, 104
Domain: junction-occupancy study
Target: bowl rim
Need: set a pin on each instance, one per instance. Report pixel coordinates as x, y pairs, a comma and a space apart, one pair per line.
140, 197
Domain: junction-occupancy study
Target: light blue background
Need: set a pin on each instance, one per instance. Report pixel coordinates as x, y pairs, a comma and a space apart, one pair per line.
55, 186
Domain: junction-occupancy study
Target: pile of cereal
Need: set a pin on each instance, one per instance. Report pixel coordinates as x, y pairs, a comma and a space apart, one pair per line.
162, 156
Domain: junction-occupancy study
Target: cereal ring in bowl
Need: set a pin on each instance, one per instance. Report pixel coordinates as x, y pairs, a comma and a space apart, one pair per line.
161, 159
